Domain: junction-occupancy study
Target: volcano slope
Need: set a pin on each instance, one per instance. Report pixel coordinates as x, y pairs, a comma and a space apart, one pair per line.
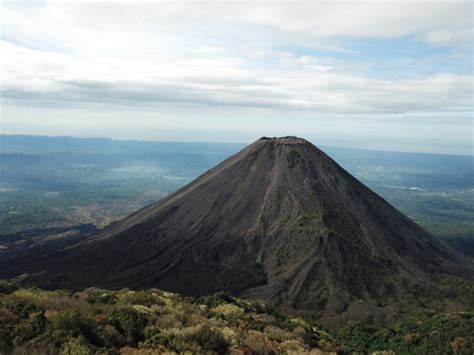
281, 222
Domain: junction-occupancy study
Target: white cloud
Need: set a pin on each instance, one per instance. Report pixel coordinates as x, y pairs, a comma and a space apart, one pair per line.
290, 83
233, 55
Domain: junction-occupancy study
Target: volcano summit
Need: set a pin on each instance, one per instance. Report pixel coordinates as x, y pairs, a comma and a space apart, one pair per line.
279, 221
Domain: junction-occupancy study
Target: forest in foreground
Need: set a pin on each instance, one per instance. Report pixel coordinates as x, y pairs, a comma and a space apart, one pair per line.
97, 321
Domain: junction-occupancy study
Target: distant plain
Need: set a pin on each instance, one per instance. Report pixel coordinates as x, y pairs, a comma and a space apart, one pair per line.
47, 183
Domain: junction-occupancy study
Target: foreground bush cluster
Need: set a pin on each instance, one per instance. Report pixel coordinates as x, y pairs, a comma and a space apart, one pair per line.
147, 322
95, 321
428, 333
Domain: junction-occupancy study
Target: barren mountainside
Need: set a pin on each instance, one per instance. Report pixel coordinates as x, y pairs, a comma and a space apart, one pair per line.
279, 221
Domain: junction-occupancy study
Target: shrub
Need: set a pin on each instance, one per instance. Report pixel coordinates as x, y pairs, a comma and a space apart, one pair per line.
60, 303
457, 344
217, 299
22, 307
29, 328
292, 346
72, 324
6, 316
128, 322
7, 287
165, 321
412, 338
258, 343
228, 310
230, 335
99, 296
76, 346
5, 340
211, 340
158, 339
275, 333
110, 336
311, 338
141, 298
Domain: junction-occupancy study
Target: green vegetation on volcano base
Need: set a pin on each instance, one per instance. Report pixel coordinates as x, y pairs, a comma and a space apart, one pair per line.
433, 333
112, 322
97, 321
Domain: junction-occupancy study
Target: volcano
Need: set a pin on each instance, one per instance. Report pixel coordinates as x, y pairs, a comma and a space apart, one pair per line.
280, 221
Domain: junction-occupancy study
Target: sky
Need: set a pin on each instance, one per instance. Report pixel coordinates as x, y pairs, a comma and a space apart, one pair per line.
392, 75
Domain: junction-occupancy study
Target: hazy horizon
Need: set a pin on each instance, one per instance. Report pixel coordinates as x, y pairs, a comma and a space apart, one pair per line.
373, 75
243, 143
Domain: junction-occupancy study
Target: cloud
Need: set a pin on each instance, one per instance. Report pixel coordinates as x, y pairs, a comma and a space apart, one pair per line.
297, 19
288, 59
301, 83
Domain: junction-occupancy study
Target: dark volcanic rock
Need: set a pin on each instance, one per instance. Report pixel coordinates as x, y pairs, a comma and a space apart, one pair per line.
279, 221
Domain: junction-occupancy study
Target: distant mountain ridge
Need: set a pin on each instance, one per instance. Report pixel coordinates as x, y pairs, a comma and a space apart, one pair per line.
279, 221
